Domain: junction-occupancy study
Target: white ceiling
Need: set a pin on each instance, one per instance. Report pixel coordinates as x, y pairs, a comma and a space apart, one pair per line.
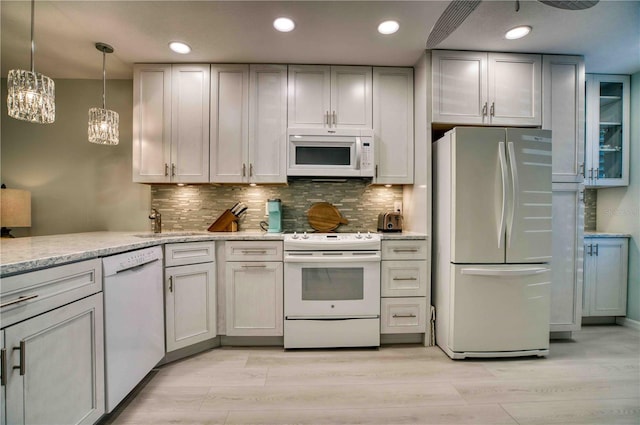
330, 32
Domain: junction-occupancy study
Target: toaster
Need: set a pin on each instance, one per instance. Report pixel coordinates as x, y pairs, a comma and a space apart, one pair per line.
390, 222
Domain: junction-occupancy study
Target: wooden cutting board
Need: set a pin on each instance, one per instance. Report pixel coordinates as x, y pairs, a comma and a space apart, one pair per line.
324, 217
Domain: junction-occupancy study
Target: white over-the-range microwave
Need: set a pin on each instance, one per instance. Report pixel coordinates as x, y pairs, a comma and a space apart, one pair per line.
330, 152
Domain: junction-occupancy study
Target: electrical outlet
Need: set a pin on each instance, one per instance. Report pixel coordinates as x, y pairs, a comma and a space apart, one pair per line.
397, 206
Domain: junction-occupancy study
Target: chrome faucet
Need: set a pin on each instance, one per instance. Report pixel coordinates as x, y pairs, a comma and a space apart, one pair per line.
157, 220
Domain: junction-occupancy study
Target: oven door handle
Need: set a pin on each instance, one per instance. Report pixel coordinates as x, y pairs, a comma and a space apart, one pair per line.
332, 259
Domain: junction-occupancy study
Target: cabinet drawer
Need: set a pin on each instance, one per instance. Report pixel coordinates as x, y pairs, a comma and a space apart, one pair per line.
404, 250
253, 251
404, 278
181, 254
403, 315
44, 290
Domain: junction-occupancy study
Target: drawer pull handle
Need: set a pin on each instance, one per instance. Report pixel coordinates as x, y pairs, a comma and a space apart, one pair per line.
170, 283
404, 315
23, 357
405, 250
254, 252
3, 367
405, 278
257, 266
19, 300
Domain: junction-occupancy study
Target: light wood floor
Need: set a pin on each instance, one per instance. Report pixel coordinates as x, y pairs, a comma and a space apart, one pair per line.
592, 379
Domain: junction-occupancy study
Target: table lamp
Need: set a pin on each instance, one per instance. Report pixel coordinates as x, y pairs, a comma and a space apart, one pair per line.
15, 206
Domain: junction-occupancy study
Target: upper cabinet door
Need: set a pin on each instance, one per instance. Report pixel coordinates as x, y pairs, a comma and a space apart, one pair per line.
459, 91
351, 105
268, 123
151, 123
393, 125
190, 124
563, 113
608, 118
515, 89
229, 123
309, 96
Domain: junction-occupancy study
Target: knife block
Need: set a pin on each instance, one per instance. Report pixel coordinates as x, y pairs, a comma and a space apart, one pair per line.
227, 222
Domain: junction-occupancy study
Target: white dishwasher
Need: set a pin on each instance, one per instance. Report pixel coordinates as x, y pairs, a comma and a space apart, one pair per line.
133, 318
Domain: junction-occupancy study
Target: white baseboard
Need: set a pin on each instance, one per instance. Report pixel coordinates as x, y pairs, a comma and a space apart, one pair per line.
629, 323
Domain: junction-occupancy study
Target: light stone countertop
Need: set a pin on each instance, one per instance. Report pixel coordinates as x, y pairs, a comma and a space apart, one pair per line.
606, 235
21, 255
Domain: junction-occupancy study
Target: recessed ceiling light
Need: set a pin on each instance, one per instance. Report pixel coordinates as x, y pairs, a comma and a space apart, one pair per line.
284, 24
180, 47
517, 32
388, 27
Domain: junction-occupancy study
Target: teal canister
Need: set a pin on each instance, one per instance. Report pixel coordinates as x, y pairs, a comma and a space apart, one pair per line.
274, 207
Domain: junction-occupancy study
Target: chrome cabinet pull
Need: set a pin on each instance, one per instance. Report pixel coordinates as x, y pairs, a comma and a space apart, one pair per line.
405, 249
244, 169
581, 170
376, 171
254, 251
254, 266
173, 170
404, 315
335, 118
251, 170
166, 169
484, 109
492, 112
595, 252
19, 300
581, 196
405, 278
326, 118
23, 357
3, 367
589, 249
170, 283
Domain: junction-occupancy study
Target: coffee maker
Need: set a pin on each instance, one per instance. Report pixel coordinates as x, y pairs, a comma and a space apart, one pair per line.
274, 209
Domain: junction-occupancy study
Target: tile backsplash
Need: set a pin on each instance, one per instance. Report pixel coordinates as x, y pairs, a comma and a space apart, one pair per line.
590, 208
195, 207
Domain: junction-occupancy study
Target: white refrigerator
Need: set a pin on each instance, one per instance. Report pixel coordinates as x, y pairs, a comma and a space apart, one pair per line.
492, 241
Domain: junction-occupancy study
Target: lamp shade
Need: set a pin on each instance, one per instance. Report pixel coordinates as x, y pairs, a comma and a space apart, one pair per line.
16, 208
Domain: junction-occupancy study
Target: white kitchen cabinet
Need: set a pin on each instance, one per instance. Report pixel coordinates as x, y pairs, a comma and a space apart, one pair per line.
563, 112
229, 123
608, 120
171, 123
405, 287
322, 96
605, 272
248, 123
190, 294
55, 371
254, 289
486, 88
393, 125
267, 153
567, 262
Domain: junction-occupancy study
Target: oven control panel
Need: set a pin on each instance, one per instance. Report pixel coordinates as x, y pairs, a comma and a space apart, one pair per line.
331, 241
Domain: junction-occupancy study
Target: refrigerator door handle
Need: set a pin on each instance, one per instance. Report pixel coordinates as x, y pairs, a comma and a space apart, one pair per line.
515, 186
503, 172
504, 273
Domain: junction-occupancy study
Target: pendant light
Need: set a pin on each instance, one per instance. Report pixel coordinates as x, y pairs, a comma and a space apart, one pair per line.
31, 95
103, 123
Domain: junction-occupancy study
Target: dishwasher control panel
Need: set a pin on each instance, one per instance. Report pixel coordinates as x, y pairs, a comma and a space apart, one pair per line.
128, 260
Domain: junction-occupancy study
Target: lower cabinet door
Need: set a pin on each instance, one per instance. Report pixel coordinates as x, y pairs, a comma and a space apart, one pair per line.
190, 304
403, 315
606, 277
55, 371
254, 298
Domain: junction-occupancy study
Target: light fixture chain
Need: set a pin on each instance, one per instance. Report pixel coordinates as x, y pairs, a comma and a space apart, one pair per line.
104, 79
33, 43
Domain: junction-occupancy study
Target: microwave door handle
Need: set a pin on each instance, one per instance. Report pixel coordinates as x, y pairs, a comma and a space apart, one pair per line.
358, 152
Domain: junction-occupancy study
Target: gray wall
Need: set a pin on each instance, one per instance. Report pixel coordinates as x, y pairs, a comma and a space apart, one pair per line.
619, 208
76, 186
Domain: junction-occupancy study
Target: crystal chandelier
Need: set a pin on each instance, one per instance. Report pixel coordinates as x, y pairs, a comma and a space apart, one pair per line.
103, 123
31, 95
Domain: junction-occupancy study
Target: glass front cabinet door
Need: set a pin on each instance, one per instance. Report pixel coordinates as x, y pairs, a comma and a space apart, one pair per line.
607, 145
